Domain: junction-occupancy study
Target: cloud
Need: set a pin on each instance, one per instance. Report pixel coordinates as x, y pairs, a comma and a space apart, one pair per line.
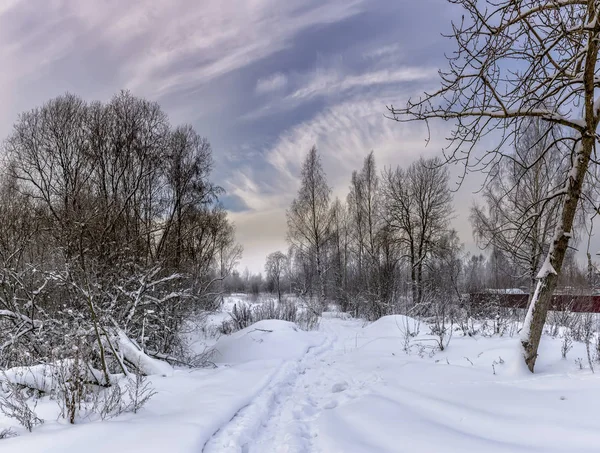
275, 82
323, 83
318, 65
384, 51
343, 133
224, 36
260, 232
336, 80
163, 46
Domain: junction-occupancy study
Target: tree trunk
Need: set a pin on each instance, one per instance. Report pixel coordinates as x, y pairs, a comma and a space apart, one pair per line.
420, 281
548, 277
413, 280
278, 291
321, 282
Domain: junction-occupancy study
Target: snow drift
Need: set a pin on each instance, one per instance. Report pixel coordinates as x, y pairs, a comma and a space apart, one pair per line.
264, 340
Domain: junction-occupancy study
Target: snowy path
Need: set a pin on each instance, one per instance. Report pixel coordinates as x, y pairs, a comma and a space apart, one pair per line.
280, 419
359, 392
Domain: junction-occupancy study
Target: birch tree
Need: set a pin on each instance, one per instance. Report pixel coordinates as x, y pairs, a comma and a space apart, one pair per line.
515, 60
518, 218
309, 217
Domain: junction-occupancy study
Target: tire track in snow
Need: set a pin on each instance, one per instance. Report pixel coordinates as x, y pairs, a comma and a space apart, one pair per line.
239, 434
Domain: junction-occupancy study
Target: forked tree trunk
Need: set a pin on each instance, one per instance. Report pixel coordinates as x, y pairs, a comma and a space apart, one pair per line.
548, 276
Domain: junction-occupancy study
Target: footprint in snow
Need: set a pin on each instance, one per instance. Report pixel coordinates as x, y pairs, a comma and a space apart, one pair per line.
339, 387
330, 405
304, 411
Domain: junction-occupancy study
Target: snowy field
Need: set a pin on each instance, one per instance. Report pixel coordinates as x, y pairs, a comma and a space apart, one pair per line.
349, 387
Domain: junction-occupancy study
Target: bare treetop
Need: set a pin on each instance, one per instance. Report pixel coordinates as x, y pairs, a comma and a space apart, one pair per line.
513, 60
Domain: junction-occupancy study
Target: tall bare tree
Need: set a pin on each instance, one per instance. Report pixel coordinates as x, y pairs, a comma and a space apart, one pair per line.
418, 206
515, 60
309, 217
364, 202
340, 240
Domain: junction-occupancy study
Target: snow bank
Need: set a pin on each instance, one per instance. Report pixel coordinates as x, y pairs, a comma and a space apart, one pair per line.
267, 339
187, 410
393, 326
335, 315
47, 377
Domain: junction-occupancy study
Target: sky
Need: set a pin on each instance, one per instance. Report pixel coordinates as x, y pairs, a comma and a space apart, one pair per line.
263, 80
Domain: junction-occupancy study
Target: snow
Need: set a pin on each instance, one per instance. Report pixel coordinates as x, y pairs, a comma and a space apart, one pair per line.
529, 317
391, 326
546, 268
265, 340
506, 291
40, 377
350, 387
145, 363
188, 408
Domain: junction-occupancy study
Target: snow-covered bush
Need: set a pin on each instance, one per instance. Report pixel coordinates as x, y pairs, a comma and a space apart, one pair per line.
566, 345
244, 315
94, 333
14, 403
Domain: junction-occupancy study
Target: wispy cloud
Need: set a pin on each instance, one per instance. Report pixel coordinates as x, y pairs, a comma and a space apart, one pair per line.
322, 83
377, 53
165, 45
336, 83
223, 36
344, 133
275, 82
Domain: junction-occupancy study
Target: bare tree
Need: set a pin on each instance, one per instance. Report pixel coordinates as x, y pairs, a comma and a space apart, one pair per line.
340, 241
309, 217
554, 46
275, 269
364, 202
48, 156
418, 208
519, 219
187, 169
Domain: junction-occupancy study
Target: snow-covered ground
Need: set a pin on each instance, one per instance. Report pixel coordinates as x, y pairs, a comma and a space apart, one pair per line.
350, 387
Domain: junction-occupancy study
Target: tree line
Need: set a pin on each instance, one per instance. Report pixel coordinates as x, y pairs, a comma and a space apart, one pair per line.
386, 241
389, 246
